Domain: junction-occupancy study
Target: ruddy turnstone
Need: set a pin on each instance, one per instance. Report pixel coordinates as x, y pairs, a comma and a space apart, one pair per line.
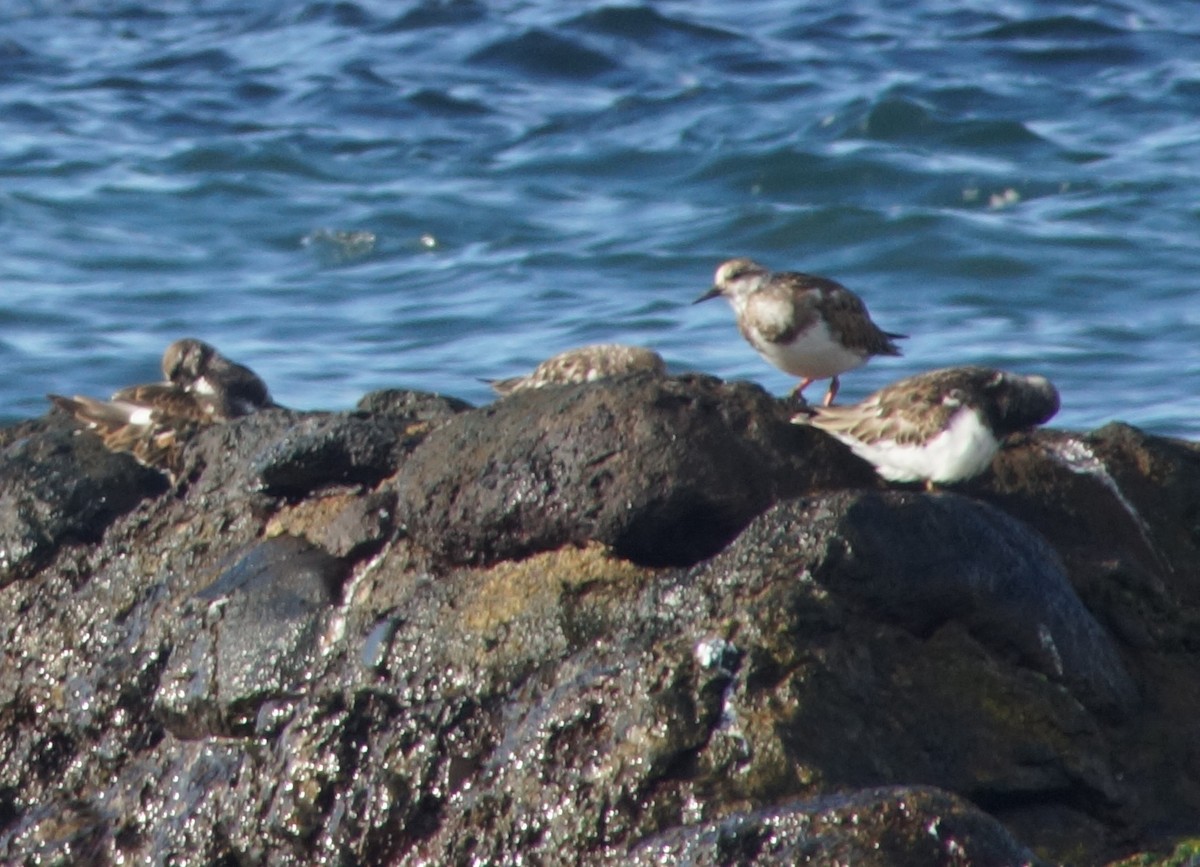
585, 364
153, 421
225, 388
938, 427
811, 327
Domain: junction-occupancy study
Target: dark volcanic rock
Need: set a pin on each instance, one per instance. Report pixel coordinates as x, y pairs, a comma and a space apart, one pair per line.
417, 634
323, 449
60, 485
249, 638
414, 406
872, 828
665, 471
1123, 510
922, 560
343, 449
629, 700
358, 528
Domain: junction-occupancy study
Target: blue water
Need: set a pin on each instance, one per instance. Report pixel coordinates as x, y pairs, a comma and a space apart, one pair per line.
351, 196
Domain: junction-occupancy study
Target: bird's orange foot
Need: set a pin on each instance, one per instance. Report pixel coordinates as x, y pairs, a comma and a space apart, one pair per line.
832, 393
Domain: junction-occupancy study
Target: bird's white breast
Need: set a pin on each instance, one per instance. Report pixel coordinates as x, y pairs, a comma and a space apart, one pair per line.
962, 450
813, 353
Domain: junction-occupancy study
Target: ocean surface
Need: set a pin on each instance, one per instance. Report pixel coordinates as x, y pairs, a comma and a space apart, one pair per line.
359, 195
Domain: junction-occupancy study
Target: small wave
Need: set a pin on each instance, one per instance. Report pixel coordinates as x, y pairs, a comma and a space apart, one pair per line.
341, 14
901, 119
276, 158
1064, 40
207, 60
1059, 27
647, 26
543, 54
439, 102
438, 13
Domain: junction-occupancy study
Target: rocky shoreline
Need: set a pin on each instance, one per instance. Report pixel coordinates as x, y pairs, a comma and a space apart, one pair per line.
645, 620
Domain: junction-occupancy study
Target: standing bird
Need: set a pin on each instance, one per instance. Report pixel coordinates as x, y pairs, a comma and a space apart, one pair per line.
938, 427
811, 327
153, 421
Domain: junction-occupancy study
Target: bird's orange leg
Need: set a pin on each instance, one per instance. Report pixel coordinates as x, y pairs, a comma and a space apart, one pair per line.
797, 395
798, 391
832, 393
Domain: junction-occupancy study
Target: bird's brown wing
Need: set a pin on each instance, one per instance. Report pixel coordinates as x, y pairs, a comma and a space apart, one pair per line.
907, 413
783, 308
850, 322
167, 399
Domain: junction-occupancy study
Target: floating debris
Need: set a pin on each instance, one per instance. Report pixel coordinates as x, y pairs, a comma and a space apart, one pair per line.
341, 245
996, 201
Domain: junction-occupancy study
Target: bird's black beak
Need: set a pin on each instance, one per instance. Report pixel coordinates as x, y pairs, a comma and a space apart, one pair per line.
711, 293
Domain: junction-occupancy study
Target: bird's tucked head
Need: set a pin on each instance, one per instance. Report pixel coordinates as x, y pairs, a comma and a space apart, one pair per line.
187, 360
1021, 402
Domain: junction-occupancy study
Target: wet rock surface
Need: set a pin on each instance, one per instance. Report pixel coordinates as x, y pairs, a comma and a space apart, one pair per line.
246, 644
921, 561
665, 471
635, 621
873, 828
56, 488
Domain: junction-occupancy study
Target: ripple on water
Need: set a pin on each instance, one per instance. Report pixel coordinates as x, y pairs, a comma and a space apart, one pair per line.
1008, 184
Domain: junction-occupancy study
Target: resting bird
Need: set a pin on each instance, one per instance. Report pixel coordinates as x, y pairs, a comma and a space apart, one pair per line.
153, 421
585, 364
938, 427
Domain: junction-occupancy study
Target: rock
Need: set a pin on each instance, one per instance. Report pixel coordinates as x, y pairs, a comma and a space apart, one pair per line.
413, 406
59, 486
1122, 510
666, 471
594, 624
327, 449
250, 639
341, 449
349, 526
870, 828
759, 676
921, 560
225, 458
